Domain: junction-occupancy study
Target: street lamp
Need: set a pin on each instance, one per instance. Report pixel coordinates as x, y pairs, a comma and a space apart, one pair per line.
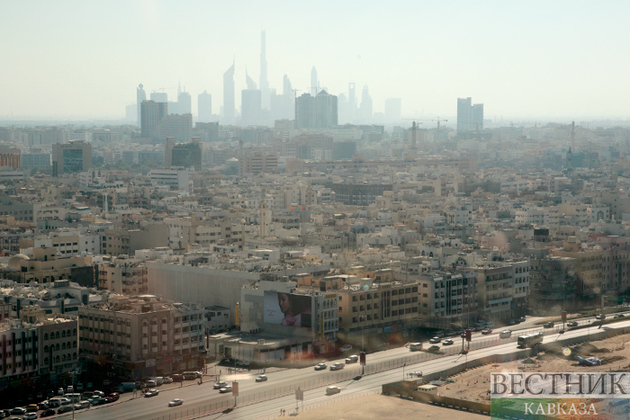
361, 320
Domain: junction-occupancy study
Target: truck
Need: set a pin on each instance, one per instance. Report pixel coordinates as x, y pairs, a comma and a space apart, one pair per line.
415, 346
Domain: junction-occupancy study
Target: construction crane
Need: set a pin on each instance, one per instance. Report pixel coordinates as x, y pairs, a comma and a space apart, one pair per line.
439, 120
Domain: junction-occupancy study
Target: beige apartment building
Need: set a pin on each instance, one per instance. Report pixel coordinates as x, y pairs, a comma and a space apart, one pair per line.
142, 336
123, 276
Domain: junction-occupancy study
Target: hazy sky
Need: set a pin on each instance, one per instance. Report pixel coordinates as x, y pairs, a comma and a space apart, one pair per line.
522, 59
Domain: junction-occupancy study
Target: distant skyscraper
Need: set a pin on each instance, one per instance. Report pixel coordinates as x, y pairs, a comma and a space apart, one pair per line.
366, 105
263, 82
140, 97
152, 113
352, 102
184, 103
316, 112
469, 116
314, 82
229, 107
159, 97
204, 107
251, 103
393, 109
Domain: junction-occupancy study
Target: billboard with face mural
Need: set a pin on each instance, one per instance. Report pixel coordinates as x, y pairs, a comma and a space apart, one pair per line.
287, 309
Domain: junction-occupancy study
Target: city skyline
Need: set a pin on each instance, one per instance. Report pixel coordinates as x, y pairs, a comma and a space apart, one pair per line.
557, 61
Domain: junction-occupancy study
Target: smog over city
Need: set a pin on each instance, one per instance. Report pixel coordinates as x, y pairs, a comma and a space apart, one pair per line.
251, 210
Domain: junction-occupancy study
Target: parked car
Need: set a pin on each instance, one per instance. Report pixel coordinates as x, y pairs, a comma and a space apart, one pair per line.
448, 342
18, 411
332, 390
435, 340
151, 393
433, 349
346, 347
352, 359
41, 406
548, 324
176, 402
167, 380
486, 331
226, 389
320, 366
114, 396
521, 319
150, 383
98, 393
65, 409
60, 391
30, 416
32, 408
177, 377
54, 403
261, 378
337, 366
572, 324
47, 413
65, 401
505, 334
220, 384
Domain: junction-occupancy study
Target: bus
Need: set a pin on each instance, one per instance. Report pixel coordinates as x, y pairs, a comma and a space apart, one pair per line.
530, 340
415, 346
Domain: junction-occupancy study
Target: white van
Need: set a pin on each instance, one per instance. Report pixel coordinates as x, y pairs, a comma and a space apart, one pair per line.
331, 390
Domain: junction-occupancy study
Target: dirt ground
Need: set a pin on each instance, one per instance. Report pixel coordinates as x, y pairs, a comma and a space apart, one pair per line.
380, 407
474, 383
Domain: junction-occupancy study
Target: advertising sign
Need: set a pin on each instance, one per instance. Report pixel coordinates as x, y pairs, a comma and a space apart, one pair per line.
287, 309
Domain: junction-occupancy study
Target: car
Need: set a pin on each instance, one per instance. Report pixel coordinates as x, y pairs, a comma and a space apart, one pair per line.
619, 316
261, 378
572, 324
60, 391
521, 319
167, 380
47, 413
54, 403
332, 390
65, 401
65, 409
96, 400
435, 340
151, 393
18, 411
352, 359
600, 316
177, 377
416, 373
114, 396
150, 383
41, 406
80, 405
30, 416
548, 324
433, 349
486, 331
32, 408
220, 384
448, 342
346, 347
505, 334
176, 402
226, 389
79, 387
320, 366
337, 366
98, 393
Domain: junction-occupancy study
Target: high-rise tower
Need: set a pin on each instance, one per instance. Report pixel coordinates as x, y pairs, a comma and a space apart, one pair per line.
314, 82
263, 82
141, 95
229, 107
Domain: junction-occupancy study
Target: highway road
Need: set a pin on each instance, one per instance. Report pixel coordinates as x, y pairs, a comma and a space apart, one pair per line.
266, 399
